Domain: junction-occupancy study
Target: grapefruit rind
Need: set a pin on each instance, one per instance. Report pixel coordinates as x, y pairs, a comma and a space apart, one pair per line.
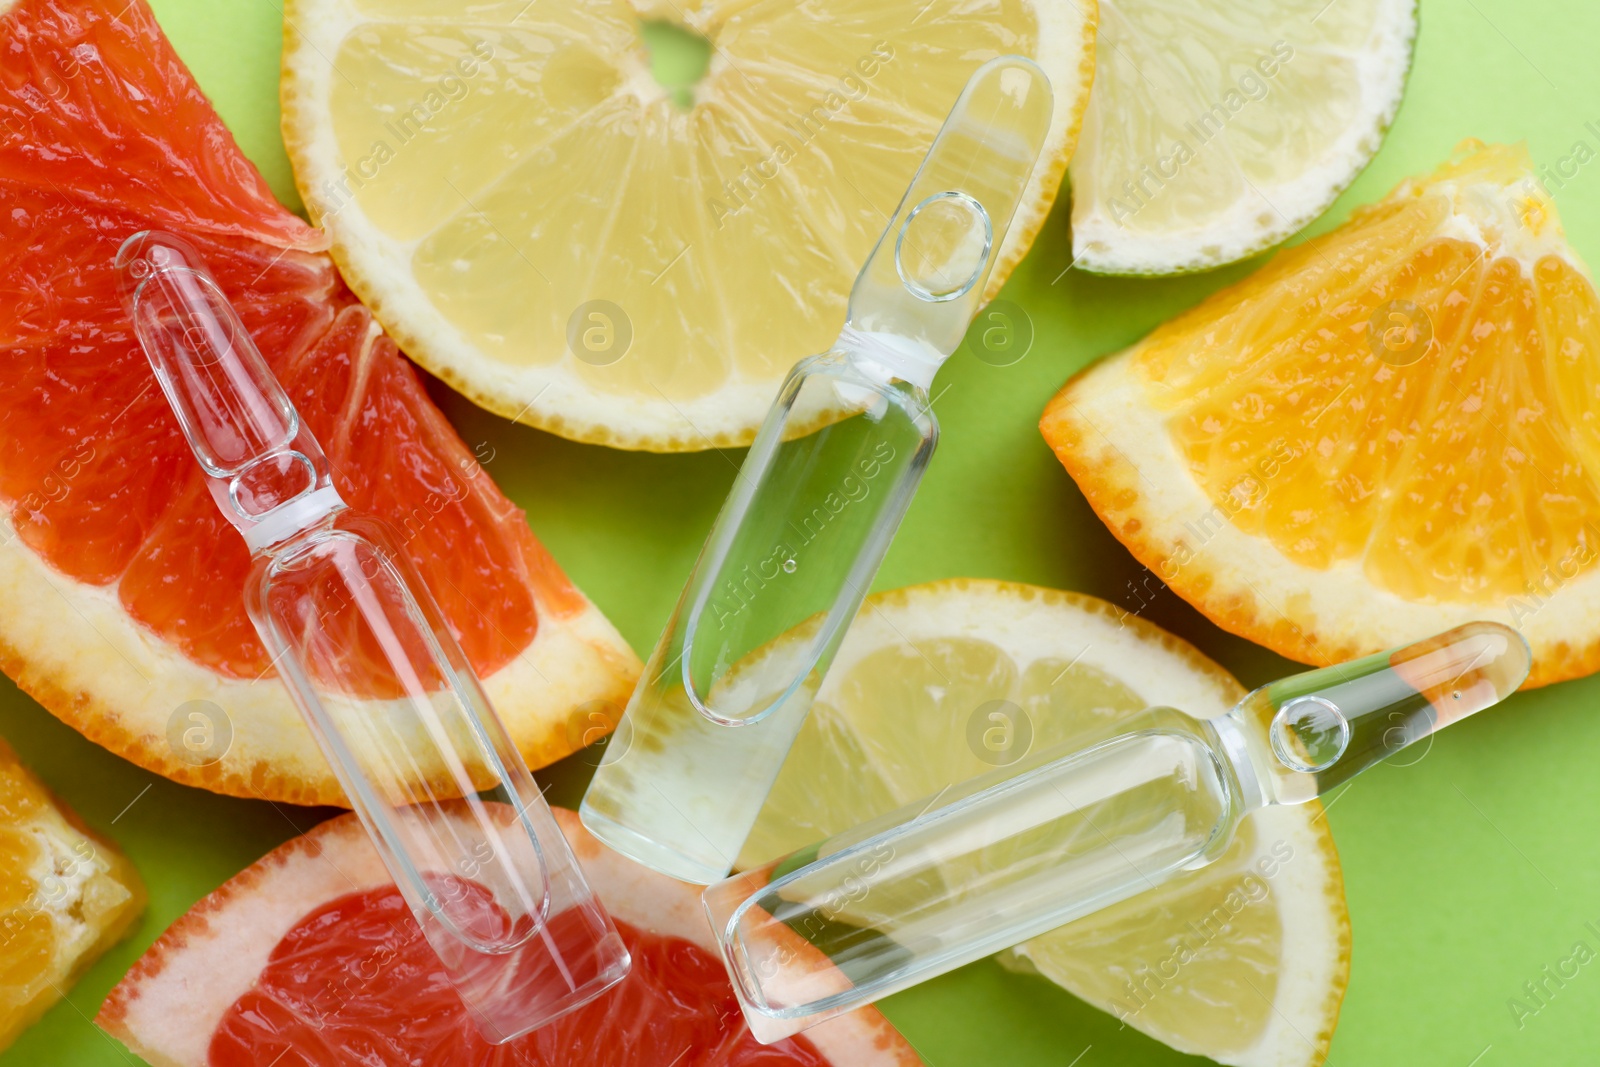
1265, 214
1111, 436
73, 648
71, 644
173, 999
553, 397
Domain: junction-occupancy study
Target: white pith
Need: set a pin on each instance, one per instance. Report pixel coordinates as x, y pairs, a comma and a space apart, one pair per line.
81, 638
1124, 434
1512, 220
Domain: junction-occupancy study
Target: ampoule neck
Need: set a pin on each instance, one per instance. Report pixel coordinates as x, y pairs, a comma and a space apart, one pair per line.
1241, 747
296, 523
886, 356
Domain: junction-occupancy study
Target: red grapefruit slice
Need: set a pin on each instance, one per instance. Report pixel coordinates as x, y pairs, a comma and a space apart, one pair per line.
120, 606
309, 957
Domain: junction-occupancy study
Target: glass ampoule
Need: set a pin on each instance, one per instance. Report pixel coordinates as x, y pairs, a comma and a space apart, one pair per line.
376, 672
819, 497
1020, 851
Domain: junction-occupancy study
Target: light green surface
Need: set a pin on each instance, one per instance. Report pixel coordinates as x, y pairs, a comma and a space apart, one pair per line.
1467, 873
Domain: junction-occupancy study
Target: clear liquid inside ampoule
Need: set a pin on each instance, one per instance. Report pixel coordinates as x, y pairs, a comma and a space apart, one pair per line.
783, 572
1060, 841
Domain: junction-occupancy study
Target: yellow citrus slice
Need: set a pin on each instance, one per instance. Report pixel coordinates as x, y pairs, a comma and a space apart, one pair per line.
1245, 961
542, 223
66, 895
1386, 432
1200, 153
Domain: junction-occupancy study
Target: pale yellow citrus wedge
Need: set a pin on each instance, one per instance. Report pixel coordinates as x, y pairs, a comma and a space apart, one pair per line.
1245, 961
543, 224
1386, 432
66, 895
1217, 129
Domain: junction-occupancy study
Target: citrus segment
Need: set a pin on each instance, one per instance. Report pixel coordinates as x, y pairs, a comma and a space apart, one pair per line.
935, 684
294, 1014
123, 584
1200, 155
18, 854
66, 895
282, 966
1245, 962
1383, 434
546, 226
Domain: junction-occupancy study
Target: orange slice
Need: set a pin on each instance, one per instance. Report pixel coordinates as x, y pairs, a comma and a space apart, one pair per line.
66, 895
1387, 431
277, 967
121, 584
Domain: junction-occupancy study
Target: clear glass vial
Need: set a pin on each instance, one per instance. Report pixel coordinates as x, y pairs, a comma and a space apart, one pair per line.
825, 485
1018, 852
373, 667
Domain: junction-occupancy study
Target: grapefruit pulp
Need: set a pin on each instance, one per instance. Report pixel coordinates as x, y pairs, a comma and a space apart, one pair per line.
309, 957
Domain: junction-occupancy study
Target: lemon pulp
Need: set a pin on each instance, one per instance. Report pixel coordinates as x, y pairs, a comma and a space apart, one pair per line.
936, 684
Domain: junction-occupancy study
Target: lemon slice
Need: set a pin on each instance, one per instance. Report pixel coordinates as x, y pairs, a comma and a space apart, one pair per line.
1245, 961
1218, 129
541, 222
66, 896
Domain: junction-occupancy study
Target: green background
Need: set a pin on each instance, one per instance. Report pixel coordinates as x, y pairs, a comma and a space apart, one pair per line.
1467, 872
